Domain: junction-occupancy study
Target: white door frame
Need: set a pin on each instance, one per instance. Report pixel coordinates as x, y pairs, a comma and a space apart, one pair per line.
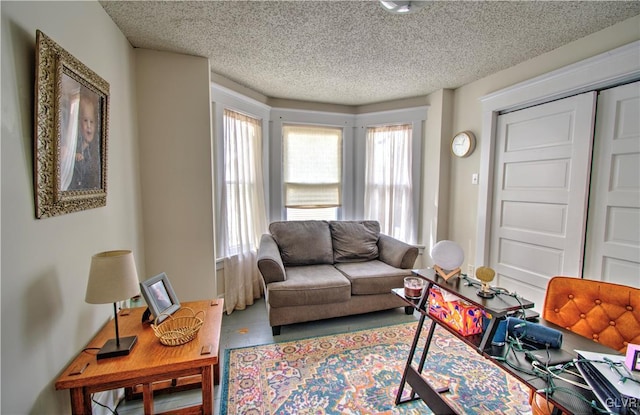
610, 68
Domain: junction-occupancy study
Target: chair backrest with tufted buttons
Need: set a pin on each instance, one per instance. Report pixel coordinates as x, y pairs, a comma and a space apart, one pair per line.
605, 312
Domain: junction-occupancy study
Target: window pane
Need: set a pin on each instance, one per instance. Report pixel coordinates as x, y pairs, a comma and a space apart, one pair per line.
243, 197
388, 180
312, 166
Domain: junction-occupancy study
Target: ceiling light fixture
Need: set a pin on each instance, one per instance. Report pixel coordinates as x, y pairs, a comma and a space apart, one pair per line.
402, 7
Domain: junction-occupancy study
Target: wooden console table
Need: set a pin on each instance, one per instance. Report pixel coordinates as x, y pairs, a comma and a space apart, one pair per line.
149, 361
499, 307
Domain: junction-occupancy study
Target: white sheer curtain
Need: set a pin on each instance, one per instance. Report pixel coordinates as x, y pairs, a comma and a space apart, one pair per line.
388, 192
243, 209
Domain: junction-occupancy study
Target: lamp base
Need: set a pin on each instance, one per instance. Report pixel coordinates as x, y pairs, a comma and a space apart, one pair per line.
111, 348
485, 294
441, 272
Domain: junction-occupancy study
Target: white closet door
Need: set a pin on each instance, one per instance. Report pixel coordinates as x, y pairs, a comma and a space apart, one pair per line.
613, 233
543, 158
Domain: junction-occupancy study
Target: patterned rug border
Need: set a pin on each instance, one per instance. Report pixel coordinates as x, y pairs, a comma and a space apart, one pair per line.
224, 380
384, 326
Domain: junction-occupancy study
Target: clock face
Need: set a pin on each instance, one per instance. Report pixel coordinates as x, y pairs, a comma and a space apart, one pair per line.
463, 144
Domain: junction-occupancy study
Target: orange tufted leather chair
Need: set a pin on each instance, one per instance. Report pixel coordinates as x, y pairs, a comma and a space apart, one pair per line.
605, 312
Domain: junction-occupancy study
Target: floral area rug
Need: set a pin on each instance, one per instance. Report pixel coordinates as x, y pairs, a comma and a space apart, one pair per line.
360, 373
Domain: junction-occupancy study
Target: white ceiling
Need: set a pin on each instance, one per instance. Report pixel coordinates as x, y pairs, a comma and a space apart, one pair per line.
355, 52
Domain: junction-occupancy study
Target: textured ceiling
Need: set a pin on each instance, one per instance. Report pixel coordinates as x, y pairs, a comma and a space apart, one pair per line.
354, 52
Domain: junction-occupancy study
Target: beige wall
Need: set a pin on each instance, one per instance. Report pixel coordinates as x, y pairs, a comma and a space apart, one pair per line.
434, 209
45, 321
467, 115
176, 170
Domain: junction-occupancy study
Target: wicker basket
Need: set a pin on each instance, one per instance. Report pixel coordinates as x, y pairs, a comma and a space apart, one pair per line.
175, 331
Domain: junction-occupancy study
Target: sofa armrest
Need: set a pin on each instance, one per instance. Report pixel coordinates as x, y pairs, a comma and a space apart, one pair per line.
269, 260
396, 253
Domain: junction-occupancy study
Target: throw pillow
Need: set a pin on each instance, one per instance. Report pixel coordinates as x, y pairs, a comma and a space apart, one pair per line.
305, 242
354, 241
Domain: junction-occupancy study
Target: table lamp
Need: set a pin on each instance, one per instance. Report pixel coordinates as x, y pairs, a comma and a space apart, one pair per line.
447, 256
113, 278
485, 275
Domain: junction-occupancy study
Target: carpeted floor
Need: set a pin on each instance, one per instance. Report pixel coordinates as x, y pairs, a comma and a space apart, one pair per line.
359, 373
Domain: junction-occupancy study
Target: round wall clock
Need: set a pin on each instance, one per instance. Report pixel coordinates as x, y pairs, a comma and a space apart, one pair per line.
463, 144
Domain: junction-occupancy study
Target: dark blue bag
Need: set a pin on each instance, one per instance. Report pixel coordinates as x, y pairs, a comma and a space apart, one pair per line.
531, 334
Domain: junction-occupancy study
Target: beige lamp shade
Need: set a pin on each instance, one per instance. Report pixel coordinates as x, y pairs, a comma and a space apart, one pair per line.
112, 277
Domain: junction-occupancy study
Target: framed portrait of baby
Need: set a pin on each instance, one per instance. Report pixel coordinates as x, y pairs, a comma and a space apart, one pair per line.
70, 143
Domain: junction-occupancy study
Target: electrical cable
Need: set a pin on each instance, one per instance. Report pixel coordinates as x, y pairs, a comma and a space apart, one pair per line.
114, 412
550, 372
591, 403
614, 367
546, 375
495, 290
517, 298
511, 347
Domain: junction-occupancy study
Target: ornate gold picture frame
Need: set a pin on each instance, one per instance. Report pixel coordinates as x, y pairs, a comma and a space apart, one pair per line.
71, 132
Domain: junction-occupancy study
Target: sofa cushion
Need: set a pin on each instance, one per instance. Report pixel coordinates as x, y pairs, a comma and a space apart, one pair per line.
308, 285
373, 277
354, 241
305, 242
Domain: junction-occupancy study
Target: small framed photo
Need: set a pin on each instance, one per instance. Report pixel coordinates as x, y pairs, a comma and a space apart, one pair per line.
160, 297
632, 360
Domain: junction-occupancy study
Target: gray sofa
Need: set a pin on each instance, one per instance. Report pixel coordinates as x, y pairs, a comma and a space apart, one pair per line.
312, 270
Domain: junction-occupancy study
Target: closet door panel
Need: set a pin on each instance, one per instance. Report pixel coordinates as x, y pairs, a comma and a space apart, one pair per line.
540, 193
613, 232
